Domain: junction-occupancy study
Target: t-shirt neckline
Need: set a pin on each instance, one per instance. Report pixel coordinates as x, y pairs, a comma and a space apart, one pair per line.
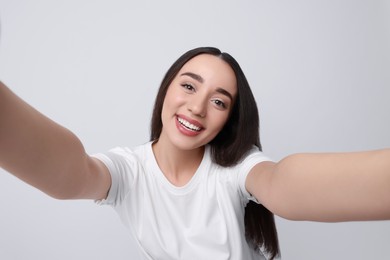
180, 190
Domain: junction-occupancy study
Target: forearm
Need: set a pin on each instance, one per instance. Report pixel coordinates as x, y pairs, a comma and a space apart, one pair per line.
36, 149
333, 186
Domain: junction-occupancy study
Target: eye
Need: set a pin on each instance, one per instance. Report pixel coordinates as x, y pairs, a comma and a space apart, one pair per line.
188, 87
220, 103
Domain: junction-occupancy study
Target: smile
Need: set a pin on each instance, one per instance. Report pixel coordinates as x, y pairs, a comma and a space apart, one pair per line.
188, 125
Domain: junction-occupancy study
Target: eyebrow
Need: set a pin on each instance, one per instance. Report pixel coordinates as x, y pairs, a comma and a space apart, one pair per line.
194, 76
225, 92
201, 80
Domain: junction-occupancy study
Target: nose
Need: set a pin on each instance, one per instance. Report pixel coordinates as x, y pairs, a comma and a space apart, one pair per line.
197, 105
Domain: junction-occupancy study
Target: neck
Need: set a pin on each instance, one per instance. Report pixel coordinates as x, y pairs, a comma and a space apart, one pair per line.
178, 165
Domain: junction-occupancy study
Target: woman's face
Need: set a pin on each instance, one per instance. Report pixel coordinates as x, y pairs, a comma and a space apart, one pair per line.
198, 102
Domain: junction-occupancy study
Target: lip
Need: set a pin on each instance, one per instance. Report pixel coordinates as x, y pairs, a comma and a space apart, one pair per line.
191, 121
186, 131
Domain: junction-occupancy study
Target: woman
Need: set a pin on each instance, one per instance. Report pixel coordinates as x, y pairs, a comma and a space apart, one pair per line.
184, 194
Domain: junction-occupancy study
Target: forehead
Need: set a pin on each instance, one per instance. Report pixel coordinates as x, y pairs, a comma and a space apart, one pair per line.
213, 70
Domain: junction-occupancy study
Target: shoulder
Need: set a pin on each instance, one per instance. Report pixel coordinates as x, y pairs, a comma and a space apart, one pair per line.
136, 152
125, 165
120, 159
253, 157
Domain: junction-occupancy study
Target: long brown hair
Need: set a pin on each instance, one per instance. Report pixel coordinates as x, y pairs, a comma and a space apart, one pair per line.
237, 137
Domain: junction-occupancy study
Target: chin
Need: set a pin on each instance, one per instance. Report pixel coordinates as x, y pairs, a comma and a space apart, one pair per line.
187, 145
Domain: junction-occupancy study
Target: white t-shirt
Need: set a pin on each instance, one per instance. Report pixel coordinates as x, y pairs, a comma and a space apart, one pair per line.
202, 220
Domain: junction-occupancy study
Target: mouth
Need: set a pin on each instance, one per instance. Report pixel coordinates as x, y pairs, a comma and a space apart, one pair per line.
190, 126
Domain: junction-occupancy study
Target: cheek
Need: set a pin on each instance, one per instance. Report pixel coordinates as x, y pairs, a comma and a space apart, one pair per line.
171, 103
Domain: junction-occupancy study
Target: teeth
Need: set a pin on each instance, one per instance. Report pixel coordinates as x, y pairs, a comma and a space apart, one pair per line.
188, 124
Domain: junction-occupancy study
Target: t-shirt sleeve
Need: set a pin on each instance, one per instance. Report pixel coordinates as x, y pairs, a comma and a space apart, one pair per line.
254, 157
122, 165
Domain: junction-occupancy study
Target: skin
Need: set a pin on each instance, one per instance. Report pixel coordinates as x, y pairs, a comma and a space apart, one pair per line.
326, 187
204, 96
46, 155
318, 187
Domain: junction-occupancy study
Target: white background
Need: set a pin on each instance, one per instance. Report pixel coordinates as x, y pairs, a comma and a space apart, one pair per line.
320, 71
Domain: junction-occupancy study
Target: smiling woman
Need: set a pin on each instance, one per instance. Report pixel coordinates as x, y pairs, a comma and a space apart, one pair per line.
199, 185
200, 188
196, 197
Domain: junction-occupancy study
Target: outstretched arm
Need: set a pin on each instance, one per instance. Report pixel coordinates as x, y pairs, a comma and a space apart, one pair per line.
325, 187
45, 154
